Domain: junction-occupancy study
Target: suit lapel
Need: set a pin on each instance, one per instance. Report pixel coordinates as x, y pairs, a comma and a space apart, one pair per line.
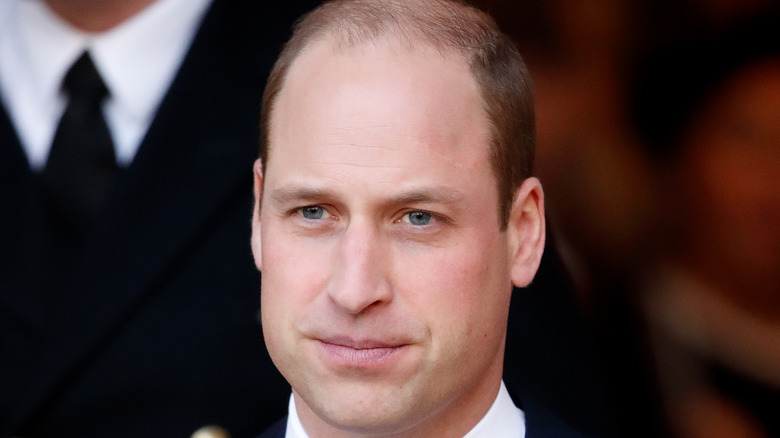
20, 316
277, 430
15, 181
12, 159
186, 170
16, 194
539, 422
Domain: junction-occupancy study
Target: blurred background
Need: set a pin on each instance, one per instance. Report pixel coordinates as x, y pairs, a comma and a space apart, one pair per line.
659, 151
656, 311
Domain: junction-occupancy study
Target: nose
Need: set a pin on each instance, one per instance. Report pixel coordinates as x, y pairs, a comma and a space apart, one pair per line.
358, 279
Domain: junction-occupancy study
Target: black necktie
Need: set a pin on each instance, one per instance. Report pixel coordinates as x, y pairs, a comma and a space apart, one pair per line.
81, 164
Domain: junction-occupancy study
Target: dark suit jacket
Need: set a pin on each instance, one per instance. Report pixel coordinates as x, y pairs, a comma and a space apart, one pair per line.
153, 330
539, 422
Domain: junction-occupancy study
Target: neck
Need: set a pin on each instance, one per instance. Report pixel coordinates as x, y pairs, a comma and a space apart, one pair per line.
97, 15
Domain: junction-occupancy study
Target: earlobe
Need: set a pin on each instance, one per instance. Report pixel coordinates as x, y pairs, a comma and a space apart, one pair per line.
526, 232
258, 191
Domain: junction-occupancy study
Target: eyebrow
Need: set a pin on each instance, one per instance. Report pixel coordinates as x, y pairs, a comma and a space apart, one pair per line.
437, 194
286, 195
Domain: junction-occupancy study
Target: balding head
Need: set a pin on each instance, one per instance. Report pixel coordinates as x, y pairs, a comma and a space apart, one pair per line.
447, 26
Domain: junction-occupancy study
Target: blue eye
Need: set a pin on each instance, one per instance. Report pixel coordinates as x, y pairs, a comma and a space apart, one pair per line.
313, 212
418, 218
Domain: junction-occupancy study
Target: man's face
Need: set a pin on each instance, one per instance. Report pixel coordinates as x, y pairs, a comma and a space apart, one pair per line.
386, 278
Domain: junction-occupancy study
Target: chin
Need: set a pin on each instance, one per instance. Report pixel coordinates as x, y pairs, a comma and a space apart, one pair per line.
371, 415
364, 425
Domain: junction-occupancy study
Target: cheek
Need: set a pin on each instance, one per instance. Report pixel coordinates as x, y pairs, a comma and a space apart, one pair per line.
463, 291
291, 279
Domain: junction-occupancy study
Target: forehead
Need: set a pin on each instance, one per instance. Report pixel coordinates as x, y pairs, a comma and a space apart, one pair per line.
381, 96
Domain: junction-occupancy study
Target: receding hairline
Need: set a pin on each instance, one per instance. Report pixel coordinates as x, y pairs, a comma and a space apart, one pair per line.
382, 42
413, 24
446, 26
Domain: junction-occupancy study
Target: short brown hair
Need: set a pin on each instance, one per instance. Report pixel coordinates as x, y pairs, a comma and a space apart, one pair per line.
495, 64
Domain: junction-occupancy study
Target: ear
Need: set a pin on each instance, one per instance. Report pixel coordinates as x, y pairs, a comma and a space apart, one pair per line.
258, 189
526, 232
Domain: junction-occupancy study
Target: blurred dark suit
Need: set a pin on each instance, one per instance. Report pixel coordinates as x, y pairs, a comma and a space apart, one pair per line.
152, 330
551, 353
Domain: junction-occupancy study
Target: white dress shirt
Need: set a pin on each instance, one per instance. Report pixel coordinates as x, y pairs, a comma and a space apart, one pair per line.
502, 420
137, 60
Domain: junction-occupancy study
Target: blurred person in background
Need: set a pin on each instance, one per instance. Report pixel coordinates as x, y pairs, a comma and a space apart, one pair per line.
600, 185
599, 201
709, 108
128, 296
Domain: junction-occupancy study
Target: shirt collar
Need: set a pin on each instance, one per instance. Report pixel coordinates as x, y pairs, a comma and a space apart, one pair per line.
49, 45
502, 420
294, 426
136, 59
139, 58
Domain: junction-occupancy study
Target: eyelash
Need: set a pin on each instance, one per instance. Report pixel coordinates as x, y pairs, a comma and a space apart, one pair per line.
299, 212
436, 218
